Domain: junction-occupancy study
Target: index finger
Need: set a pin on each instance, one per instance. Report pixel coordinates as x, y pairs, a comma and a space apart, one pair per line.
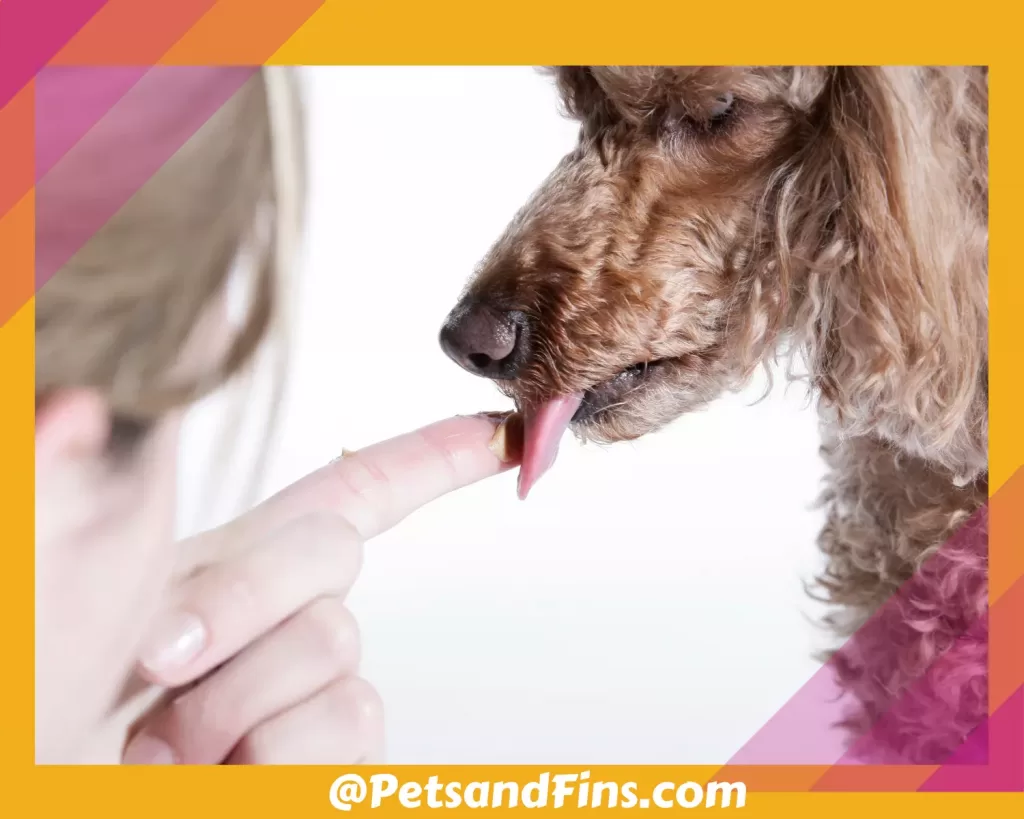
379, 486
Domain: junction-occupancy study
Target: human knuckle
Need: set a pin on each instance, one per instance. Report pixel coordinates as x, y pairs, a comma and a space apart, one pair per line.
340, 557
240, 587
364, 699
438, 451
331, 627
323, 527
331, 544
207, 719
359, 478
347, 562
256, 747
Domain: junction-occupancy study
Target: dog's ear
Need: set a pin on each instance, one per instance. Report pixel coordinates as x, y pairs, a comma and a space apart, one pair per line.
580, 94
889, 208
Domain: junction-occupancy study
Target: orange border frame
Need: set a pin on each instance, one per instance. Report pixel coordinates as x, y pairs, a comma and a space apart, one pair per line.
307, 32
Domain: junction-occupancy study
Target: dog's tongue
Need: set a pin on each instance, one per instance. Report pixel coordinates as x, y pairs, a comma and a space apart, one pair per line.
543, 428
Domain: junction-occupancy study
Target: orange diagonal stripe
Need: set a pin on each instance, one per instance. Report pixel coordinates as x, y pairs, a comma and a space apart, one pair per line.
1006, 659
127, 32
17, 203
875, 778
1006, 536
17, 240
17, 144
240, 32
772, 778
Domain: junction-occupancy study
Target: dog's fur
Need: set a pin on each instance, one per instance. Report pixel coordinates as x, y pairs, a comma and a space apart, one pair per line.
840, 211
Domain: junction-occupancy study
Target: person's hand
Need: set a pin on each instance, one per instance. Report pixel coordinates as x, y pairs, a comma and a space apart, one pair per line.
256, 643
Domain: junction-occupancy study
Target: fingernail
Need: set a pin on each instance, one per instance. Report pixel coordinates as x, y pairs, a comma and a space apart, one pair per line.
178, 640
147, 750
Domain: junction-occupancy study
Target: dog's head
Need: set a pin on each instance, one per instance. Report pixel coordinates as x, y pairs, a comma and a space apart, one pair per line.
707, 211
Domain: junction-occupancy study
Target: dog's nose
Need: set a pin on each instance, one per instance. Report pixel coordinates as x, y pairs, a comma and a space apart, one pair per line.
483, 340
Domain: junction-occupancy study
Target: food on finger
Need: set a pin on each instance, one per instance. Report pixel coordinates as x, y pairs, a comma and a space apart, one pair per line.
507, 441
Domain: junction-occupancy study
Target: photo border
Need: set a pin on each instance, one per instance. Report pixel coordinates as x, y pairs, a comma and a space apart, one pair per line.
314, 32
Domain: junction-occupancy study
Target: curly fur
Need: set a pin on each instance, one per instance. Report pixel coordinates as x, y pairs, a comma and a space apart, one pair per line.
841, 211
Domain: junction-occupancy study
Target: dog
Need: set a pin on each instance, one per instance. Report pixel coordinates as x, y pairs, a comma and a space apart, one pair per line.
709, 218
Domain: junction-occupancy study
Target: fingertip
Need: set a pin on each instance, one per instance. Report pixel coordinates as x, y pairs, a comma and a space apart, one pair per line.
419, 468
479, 445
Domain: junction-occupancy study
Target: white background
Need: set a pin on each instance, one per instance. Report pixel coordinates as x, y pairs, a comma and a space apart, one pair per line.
646, 604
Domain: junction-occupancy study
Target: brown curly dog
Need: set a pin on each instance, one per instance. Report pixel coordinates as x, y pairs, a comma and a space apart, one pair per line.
709, 217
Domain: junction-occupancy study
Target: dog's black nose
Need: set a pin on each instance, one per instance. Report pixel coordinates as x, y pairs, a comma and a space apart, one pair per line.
483, 340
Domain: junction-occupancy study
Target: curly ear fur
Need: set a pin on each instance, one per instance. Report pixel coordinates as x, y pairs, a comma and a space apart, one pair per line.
880, 227
578, 92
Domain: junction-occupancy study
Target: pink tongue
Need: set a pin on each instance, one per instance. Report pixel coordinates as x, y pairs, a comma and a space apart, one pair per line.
543, 429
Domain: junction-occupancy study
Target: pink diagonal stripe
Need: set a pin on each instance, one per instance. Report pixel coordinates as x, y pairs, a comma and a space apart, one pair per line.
70, 101
123, 150
928, 706
31, 32
888, 696
1002, 738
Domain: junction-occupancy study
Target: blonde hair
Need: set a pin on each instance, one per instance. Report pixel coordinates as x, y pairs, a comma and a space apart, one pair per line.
117, 315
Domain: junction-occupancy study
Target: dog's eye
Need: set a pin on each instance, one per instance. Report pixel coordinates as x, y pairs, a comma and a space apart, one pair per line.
711, 121
721, 107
